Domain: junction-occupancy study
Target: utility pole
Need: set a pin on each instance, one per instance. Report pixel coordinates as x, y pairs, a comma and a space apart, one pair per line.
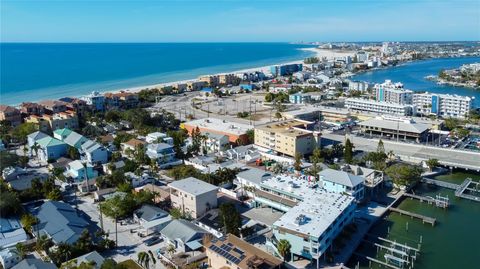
250, 113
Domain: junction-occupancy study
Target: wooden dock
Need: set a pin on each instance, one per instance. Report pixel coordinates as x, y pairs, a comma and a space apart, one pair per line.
438, 201
440, 183
424, 219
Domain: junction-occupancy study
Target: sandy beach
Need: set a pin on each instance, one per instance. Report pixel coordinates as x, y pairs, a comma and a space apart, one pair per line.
320, 53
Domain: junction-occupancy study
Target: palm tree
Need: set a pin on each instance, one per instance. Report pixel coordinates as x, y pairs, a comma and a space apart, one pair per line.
152, 257
171, 250
283, 248
35, 147
143, 259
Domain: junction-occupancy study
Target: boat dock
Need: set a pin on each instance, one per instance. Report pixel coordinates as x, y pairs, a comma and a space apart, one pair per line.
424, 219
438, 200
459, 189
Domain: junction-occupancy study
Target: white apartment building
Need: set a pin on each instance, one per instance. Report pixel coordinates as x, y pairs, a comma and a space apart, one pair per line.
443, 105
365, 105
393, 93
193, 196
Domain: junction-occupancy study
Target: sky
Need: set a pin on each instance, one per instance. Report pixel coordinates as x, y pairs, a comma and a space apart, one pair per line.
238, 20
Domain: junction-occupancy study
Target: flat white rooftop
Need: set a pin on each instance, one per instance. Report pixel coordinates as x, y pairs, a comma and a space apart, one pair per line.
314, 215
220, 125
299, 187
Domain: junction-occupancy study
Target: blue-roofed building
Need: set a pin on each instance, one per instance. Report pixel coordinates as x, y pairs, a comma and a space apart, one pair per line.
51, 148
11, 232
163, 153
75, 140
342, 182
60, 222
76, 170
33, 263
34, 137
184, 235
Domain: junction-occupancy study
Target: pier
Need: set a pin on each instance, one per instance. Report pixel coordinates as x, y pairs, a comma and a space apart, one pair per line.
424, 219
459, 189
439, 201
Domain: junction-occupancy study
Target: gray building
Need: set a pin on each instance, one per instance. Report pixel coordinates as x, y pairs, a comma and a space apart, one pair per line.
192, 196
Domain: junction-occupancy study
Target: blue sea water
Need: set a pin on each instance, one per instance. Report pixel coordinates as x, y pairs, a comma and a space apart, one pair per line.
35, 71
413, 74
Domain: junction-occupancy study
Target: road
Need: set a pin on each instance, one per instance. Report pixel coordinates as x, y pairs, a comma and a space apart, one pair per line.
129, 244
416, 152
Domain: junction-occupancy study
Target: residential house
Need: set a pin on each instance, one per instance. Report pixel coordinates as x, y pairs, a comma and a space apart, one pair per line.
59, 221
151, 218
94, 152
192, 196
10, 114
247, 153
34, 137
164, 154
75, 104
28, 108
215, 142
51, 122
34, 263
9, 257
11, 232
51, 148
162, 193
95, 100
132, 145
233, 252
53, 106
108, 168
252, 177
139, 180
183, 235
92, 258
76, 170
342, 182
155, 137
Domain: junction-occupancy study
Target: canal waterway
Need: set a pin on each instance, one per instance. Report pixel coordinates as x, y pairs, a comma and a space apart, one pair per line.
413, 74
454, 241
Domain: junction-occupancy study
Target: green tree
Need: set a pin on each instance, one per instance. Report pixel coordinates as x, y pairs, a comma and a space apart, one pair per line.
297, 165
73, 153
7, 159
380, 146
231, 219
251, 136
404, 174
432, 163
9, 204
21, 250
315, 159
28, 221
451, 123
348, 151
55, 195
283, 248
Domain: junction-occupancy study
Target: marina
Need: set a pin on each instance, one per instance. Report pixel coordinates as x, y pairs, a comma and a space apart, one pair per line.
405, 224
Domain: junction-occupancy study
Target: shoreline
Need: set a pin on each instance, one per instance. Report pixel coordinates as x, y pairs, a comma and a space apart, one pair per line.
135, 89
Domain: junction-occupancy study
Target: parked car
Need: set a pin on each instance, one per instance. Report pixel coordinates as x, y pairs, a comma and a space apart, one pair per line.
153, 241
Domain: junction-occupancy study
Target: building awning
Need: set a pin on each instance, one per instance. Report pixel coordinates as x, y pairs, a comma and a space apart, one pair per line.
194, 245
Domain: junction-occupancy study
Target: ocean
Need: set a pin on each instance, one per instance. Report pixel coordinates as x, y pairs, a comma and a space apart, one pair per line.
413, 74
36, 71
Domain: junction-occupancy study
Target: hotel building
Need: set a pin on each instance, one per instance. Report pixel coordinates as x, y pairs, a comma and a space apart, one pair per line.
443, 105
288, 137
365, 105
393, 93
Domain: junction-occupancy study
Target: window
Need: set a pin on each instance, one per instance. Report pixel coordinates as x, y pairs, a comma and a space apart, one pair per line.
306, 249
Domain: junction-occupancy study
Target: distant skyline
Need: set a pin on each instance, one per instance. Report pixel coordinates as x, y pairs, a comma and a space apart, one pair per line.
239, 21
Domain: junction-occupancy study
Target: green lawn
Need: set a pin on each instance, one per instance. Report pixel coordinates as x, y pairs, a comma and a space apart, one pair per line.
131, 264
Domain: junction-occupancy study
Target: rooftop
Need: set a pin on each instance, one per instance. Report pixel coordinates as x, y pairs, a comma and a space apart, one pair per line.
193, 186
401, 125
220, 125
33, 263
243, 254
314, 215
293, 127
49, 141
298, 187
340, 177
